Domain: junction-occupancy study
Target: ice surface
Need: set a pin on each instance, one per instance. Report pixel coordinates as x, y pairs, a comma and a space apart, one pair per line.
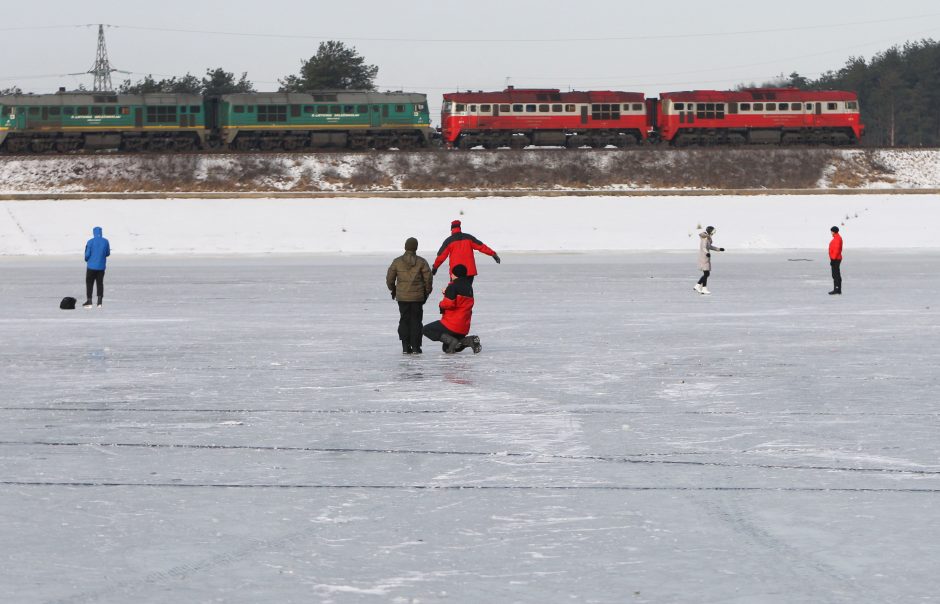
546, 224
246, 430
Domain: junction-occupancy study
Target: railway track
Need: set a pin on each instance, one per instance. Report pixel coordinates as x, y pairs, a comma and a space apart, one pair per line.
653, 148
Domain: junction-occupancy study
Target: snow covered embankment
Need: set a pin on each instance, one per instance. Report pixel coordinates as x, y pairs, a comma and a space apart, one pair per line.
254, 226
530, 170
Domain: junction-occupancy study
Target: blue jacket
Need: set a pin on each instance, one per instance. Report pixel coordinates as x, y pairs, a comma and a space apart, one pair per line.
97, 251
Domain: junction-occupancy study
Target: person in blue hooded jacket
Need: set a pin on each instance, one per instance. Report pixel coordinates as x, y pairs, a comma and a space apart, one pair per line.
97, 251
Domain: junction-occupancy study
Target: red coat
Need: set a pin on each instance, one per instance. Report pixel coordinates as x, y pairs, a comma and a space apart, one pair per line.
457, 307
460, 246
835, 247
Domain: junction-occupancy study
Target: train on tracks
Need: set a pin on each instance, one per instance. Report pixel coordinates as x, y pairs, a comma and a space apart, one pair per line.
361, 120
66, 122
541, 117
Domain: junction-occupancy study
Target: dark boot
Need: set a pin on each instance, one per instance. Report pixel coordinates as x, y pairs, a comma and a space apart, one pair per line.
87, 303
405, 347
836, 292
472, 342
450, 343
415, 350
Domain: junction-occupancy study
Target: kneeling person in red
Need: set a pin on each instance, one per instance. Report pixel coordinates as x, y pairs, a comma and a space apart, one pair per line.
456, 311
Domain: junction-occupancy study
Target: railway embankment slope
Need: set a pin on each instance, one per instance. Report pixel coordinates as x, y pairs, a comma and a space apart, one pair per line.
476, 172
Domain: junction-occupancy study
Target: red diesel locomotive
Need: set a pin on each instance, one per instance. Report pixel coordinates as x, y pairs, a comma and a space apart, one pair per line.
759, 115
547, 117
521, 117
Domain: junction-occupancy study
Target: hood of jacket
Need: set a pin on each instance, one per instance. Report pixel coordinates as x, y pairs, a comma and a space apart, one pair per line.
97, 232
410, 258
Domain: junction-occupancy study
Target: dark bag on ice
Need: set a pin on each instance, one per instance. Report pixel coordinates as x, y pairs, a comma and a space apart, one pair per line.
67, 303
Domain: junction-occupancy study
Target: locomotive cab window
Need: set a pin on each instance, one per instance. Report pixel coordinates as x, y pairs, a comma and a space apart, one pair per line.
680, 106
852, 105
473, 109
832, 106
461, 108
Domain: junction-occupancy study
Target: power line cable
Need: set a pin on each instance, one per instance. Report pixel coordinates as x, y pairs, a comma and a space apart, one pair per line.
525, 40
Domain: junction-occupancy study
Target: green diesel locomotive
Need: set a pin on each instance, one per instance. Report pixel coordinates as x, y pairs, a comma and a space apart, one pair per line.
357, 120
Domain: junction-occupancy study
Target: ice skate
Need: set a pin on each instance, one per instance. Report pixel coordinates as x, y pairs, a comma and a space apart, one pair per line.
472, 342
416, 350
87, 304
704, 291
405, 347
698, 287
836, 292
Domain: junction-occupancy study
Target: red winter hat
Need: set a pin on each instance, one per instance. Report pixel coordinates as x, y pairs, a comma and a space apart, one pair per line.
455, 224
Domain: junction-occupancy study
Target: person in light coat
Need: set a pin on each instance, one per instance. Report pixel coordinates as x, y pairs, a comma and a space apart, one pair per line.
705, 249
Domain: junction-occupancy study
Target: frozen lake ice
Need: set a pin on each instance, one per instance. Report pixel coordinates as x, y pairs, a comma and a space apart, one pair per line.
245, 429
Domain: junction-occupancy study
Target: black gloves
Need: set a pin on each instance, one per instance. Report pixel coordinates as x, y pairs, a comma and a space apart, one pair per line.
434, 271
393, 293
496, 258
721, 249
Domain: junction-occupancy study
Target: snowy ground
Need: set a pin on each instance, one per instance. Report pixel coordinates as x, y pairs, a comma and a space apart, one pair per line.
246, 430
240, 226
531, 170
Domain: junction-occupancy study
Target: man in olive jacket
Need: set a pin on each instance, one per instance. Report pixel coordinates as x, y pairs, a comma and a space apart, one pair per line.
410, 281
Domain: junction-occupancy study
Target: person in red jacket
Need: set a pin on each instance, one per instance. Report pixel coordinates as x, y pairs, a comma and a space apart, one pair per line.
459, 247
456, 311
835, 261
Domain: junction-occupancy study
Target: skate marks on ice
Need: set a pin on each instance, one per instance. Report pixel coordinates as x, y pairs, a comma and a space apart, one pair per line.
570, 459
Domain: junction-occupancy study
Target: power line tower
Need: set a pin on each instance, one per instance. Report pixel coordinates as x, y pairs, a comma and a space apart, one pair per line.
102, 69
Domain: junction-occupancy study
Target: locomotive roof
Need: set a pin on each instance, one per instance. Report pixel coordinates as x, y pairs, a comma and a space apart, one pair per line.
99, 98
760, 94
317, 96
546, 95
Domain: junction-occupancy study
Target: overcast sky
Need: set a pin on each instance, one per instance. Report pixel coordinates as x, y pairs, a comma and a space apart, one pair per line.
435, 46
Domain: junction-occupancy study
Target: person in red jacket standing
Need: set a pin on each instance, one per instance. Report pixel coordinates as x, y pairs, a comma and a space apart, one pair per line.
835, 261
459, 247
456, 311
